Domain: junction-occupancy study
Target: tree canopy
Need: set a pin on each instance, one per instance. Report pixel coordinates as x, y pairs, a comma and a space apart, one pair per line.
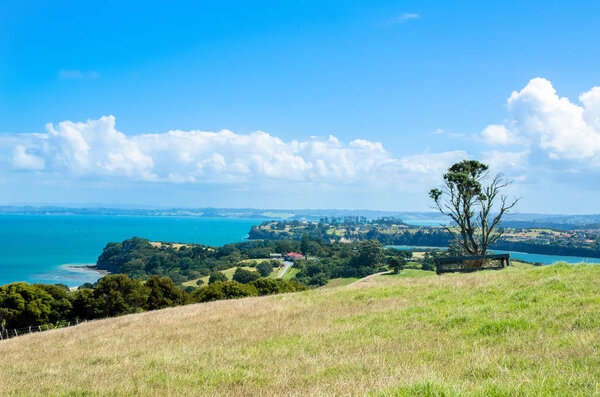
470, 205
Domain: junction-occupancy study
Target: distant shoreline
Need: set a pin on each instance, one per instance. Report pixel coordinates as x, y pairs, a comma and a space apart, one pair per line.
84, 268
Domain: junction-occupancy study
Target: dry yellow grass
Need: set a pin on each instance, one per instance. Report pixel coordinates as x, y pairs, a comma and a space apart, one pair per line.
519, 331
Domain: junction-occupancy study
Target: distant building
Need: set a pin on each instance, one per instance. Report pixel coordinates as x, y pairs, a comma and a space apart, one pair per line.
275, 256
292, 256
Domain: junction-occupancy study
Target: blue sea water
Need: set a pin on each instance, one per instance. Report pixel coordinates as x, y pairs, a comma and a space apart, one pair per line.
425, 222
40, 248
545, 259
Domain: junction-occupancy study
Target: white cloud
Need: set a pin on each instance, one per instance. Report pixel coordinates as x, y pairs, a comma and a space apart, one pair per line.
96, 148
407, 16
539, 118
433, 164
515, 165
498, 134
21, 160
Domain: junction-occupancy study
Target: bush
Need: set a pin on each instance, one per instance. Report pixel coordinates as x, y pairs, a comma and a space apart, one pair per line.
223, 290
163, 293
22, 304
397, 264
217, 276
270, 286
265, 268
244, 276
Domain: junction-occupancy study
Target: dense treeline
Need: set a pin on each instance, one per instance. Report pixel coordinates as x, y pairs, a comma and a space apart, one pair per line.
548, 249
424, 236
348, 260
23, 304
139, 259
145, 286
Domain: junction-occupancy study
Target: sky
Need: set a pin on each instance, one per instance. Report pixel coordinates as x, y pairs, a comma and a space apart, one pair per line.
297, 104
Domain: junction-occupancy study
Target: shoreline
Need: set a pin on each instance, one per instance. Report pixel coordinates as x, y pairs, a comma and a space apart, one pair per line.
88, 268
84, 268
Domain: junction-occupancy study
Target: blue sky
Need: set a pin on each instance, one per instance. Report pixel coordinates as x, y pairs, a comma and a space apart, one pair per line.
405, 88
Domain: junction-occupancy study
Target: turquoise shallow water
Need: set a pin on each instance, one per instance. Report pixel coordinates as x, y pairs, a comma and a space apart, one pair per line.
36, 248
545, 259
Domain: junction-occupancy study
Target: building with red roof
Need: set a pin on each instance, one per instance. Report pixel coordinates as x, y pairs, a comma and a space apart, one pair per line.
292, 256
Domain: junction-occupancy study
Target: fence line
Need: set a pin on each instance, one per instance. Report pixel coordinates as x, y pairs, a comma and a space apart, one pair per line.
8, 333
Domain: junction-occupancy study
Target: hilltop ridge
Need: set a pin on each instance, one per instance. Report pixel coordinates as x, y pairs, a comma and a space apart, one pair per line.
521, 330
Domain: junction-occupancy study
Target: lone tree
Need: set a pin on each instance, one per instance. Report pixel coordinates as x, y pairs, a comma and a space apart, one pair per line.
469, 203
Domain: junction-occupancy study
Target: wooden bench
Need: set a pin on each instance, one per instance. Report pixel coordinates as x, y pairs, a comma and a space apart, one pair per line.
467, 264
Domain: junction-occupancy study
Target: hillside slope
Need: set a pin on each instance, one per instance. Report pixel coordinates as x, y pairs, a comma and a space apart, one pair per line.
516, 331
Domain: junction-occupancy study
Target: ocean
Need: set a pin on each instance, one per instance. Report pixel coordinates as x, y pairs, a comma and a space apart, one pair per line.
545, 259
42, 248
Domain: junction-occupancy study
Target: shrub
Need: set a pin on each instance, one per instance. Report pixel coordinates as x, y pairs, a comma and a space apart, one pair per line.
244, 276
270, 286
216, 276
163, 293
265, 268
223, 290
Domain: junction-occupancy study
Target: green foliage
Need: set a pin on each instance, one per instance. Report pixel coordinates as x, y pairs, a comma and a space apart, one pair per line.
327, 260
270, 286
244, 276
22, 304
304, 244
469, 205
266, 267
216, 276
163, 293
117, 294
139, 259
223, 290
234, 290
397, 264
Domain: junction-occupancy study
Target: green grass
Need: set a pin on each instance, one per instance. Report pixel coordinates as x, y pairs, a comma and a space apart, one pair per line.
520, 331
410, 273
291, 273
340, 282
253, 262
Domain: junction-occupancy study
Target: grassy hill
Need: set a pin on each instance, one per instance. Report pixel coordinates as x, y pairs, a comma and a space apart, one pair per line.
519, 331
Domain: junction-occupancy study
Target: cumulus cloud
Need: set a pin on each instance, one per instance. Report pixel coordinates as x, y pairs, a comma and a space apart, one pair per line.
539, 118
94, 147
21, 160
97, 148
498, 134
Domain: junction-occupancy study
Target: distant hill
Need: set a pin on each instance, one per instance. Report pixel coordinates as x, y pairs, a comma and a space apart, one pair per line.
510, 220
518, 331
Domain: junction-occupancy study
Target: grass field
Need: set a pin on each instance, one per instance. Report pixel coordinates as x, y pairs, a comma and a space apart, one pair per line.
339, 282
519, 331
291, 273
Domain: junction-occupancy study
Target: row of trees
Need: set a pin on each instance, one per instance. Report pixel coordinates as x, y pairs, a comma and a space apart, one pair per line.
139, 259
23, 304
357, 259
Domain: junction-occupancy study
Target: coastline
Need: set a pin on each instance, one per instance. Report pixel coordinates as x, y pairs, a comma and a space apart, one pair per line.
83, 273
84, 268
